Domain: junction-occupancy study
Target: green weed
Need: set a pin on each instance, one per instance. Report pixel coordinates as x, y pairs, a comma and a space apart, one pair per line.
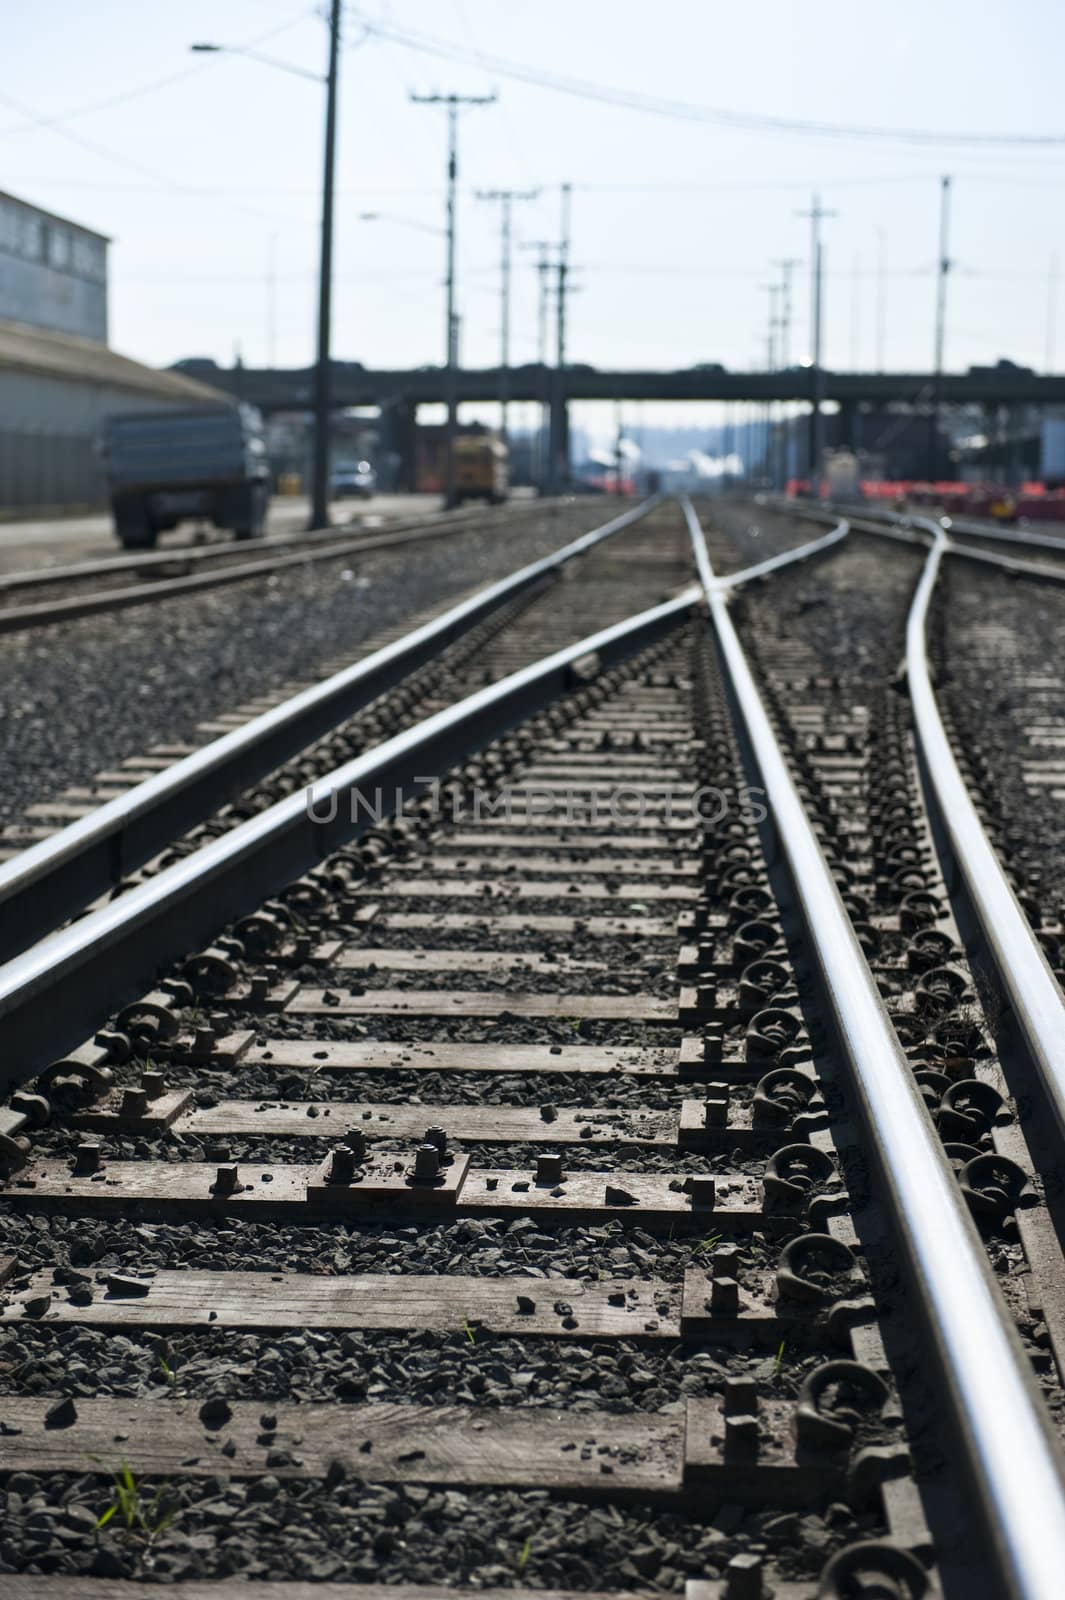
707, 1245
133, 1512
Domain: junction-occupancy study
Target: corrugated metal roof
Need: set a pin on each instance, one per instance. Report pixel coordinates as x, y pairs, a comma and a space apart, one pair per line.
63, 355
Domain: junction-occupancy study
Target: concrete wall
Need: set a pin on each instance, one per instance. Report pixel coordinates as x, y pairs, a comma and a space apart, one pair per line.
48, 429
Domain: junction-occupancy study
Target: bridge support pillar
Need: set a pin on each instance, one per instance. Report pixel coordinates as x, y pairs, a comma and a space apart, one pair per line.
401, 431
847, 435
558, 436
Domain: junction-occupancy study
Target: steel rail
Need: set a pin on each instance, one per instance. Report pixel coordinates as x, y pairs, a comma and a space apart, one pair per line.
925, 531
1037, 1002
1014, 1462
53, 996
52, 880
194, 554
860, 523
310, 548
1007, 535
994, 558
802, 552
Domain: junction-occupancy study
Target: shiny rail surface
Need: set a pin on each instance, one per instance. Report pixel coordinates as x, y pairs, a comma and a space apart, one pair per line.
190, 556
979, 530
67, 984
1037, 1001
1002, 1421
308, 548
50, 881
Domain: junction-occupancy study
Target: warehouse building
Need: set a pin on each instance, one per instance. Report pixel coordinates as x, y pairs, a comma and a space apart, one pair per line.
58, 377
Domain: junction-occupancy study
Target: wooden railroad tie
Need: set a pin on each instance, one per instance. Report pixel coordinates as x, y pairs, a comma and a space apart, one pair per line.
702, 1447
713, 1301
384, 1185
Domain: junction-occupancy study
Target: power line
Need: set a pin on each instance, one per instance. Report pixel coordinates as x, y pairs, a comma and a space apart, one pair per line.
452, 103
816, 215
633, 100
35, 120
506, 198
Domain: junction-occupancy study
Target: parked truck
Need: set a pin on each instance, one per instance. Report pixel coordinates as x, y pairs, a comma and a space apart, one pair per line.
163, 466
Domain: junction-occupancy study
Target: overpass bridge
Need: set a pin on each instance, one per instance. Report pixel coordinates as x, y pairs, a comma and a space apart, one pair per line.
1006, 393
275, 389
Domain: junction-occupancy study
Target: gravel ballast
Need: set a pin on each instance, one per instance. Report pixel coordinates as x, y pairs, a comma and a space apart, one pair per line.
89, 694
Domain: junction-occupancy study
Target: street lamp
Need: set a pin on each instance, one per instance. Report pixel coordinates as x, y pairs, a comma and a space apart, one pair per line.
255, 55
322, 371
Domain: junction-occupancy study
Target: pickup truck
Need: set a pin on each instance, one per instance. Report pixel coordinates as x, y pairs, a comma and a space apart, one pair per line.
163, 466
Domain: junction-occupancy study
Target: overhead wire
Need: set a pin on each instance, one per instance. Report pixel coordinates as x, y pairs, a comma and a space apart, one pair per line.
635, 100
91, 107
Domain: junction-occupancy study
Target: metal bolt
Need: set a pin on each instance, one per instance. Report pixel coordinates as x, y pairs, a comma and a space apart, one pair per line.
134, 1102
713, 1042
342, 1165
727, 1260
549, 1167
438, 1139
355, 1140
743, 1577
702, 1189
426, 1163
86, 1160
724, 1296
225, 1181
706, 995
741, 1396
153, 1084
741, 1435
259, 987
715, 1106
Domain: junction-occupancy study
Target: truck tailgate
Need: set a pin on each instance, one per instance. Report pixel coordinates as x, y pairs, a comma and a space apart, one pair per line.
174, 448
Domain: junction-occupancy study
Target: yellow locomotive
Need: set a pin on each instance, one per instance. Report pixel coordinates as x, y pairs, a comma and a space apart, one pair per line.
480, 468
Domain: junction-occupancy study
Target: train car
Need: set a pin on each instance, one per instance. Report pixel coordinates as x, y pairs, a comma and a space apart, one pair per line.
480, 468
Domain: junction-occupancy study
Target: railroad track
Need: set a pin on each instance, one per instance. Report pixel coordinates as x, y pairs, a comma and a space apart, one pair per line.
126, 816
558, 1184
87, 588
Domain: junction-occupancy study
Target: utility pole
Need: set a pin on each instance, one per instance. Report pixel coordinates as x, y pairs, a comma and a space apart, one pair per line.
941, 317
787, 264
452, 102
766, 420
559, 417
543, 267
619, 452
506, 197
817, 215
322, 372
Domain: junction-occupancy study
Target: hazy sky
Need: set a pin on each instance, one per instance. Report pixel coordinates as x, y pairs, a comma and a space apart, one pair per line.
203, 180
